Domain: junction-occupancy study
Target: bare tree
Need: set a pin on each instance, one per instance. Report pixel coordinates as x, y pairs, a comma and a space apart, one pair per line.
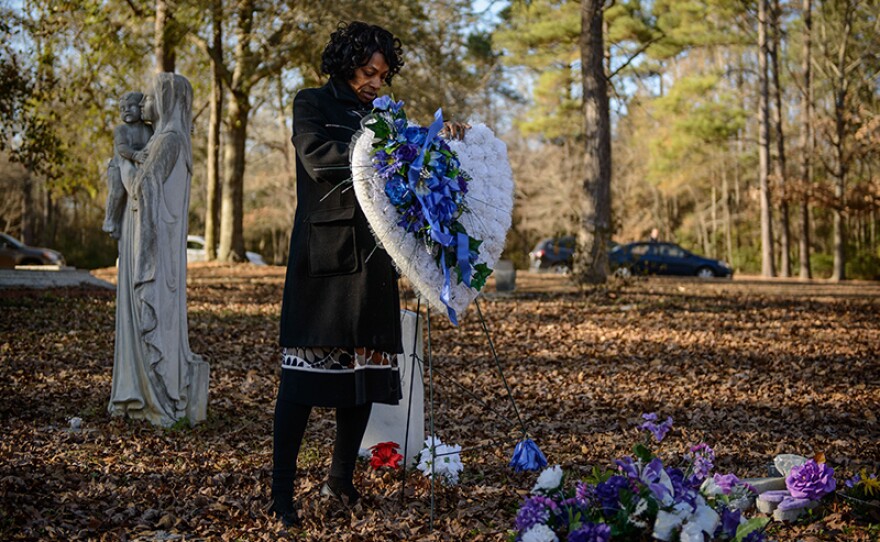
163, 41
779, 163
595, 232
806, 167
213, 181
767, 263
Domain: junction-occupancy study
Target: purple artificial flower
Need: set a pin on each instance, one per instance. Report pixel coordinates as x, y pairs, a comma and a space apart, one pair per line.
608, 492
406, 152
535, 510
658, 430
703, 458
726, 482
729, 523
652, 476
584, 493
591, 532
684, 490
811, 480
628, 467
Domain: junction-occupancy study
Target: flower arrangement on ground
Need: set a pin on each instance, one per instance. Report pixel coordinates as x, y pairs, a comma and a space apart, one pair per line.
385, 454
441, 460
425, 182
642, 498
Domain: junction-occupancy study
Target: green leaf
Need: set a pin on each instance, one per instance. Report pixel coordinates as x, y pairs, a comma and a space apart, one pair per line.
643, 452
481, 273
750, 526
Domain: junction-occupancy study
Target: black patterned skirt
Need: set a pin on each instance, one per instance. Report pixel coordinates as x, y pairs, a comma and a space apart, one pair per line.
339, 377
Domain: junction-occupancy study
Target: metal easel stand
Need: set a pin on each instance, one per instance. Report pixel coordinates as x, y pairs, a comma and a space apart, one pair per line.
429, 359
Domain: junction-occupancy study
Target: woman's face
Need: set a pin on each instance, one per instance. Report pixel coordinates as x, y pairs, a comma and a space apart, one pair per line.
368, 78
148, 108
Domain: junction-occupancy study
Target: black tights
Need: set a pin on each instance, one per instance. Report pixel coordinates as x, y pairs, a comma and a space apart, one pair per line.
290, 426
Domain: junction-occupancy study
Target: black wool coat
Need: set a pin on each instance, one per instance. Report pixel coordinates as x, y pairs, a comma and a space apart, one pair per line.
334, 296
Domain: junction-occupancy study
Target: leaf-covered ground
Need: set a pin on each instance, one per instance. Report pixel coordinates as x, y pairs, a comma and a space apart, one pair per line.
754, 368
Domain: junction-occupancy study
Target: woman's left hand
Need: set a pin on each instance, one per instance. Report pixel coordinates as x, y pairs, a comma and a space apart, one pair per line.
454, 130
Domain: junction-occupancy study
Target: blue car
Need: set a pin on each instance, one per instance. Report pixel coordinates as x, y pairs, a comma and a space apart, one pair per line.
652, 258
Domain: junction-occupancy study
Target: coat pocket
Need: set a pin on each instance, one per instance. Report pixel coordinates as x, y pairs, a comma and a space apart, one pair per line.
332, 242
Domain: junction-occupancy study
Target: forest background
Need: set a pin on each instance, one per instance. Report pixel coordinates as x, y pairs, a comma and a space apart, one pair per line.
746, 130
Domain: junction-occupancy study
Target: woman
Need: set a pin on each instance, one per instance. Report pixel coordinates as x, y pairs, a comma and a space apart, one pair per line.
340, 316
153, 368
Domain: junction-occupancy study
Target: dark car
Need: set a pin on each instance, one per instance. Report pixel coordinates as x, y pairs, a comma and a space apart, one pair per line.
651, 258
13, 252
553, 254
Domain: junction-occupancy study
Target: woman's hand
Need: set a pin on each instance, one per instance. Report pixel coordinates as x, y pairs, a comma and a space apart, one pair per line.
454, 130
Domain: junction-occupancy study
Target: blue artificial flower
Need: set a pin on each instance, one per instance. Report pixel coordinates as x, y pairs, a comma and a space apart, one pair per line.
591, 532
382, 103
396, 106
527, 456
658, 430
415, 135
754, 536
608, 493
397, 191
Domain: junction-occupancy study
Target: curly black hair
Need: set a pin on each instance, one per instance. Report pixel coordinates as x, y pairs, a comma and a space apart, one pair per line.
352, 45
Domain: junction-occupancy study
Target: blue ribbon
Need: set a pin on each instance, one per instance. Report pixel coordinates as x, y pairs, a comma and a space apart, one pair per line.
464, 257
430, 203
527, 456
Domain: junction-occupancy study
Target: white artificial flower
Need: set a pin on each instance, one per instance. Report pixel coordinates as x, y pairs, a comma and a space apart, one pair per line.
710, 488
705, 517
549, 479
448, 465
667, 522
691, 532
540, 533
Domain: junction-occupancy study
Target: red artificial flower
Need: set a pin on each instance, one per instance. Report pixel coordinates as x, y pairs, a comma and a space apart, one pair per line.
385, 455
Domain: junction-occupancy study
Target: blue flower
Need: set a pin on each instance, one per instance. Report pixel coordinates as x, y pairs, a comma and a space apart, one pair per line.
396, 106
397, 191
591, 532
527, 456
382, 103
415, 135
754, 536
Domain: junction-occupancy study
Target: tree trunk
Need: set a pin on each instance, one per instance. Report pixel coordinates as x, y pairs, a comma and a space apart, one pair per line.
806, 143
232, 207
841, 166
767, 262
592, 264
780, 173
163, 41
27, 210
212, 196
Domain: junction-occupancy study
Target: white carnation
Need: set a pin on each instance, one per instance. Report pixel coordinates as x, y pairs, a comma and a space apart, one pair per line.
540, 533
448, 464
549, 479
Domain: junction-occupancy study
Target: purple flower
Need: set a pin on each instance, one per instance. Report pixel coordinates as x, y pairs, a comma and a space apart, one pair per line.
683, 489
591, 532
406, 153
729, 523
726, 482
811, 480
584, 493
628, 467
703, 458
535, 510
658, 430
608, 492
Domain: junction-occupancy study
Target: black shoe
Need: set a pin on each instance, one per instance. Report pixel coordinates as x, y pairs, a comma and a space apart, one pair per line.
345, 492
285, 512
